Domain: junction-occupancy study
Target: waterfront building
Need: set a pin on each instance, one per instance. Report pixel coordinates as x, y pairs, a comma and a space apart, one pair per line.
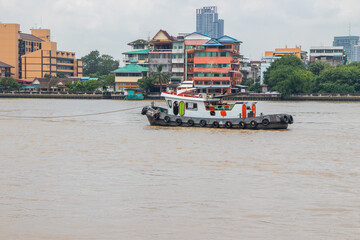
213, 64
265, 64
35, 55
127, 77
139, 52
331, 55
178, 61
208, 22
250, 70
5, 70
160, 51
279, 52
348, 42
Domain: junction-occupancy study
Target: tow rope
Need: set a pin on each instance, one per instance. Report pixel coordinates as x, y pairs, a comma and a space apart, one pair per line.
70, 116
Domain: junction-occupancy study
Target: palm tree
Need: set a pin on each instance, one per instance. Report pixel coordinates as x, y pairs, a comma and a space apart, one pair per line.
160, 77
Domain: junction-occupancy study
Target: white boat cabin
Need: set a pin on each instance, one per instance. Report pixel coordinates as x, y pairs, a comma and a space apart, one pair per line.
202, 106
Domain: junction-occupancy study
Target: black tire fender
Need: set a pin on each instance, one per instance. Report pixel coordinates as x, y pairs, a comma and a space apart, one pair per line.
291, 119
242, 124
284, 118
228, 124
265, 122
215, 124
178, 121
190, 122
253, 124
203, 123
144, 110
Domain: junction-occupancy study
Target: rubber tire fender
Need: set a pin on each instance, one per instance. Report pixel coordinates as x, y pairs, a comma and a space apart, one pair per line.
253, 124
190, 122
242, 125
202, 123
291, 119
144, 110
215, 124
228, 124
284, 118
178, 122
265, 122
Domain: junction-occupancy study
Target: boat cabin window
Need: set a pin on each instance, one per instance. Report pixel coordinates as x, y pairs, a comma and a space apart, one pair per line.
176, 108
169, 102
191, 106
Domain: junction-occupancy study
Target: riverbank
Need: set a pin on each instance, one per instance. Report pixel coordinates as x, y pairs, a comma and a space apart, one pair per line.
239, 97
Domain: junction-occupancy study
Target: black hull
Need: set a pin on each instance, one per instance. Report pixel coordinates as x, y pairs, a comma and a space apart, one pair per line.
265, 122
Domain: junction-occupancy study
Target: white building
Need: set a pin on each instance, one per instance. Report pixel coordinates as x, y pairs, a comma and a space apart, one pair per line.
332, 55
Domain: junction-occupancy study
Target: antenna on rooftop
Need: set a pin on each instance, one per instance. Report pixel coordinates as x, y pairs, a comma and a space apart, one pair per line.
349, 29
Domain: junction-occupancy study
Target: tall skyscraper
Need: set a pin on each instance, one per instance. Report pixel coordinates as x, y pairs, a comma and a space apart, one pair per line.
208, 22
348, 42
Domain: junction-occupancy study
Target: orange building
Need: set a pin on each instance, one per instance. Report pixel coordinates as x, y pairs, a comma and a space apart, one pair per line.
279, 52
35, 55
213, 64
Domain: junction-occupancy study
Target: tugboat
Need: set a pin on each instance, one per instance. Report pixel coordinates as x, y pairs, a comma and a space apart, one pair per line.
204, 111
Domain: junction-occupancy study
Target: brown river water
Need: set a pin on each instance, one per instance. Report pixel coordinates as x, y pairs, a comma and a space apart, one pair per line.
113, 176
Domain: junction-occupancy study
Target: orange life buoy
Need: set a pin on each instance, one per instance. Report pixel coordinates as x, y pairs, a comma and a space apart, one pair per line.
244, 111
253, 108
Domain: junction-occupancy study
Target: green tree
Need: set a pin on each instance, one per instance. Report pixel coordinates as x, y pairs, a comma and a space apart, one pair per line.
61, 75
108, 80
91, 85
160, 77
47, 75
145, 83
94, 63
288, 75
317, 67
9, 83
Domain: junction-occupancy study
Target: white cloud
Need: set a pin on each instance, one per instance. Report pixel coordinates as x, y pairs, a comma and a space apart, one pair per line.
108, 25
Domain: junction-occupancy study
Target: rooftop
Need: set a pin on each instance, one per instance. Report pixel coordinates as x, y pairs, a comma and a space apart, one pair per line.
143, 51
30, 37
4, 65
132, 68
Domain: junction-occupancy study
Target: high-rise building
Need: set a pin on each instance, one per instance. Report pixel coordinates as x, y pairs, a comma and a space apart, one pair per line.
348, 42
35, 55
208, 22
357, 53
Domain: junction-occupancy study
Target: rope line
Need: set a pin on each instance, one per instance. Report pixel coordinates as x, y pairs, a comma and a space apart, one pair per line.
70, 116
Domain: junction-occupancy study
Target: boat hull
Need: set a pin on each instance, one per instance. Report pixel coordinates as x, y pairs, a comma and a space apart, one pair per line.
157, 117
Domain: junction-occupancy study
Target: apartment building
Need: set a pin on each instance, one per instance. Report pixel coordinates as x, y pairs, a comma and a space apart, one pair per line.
35, 55
213, 64
139, 52
279, 52
331, 55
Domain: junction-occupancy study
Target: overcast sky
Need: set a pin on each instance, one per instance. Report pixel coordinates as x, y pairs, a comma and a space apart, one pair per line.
108, 25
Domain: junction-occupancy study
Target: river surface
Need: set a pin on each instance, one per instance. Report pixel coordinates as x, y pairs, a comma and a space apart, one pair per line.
113, 176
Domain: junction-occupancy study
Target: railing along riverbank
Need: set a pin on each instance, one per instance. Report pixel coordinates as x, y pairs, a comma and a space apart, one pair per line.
323, 97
